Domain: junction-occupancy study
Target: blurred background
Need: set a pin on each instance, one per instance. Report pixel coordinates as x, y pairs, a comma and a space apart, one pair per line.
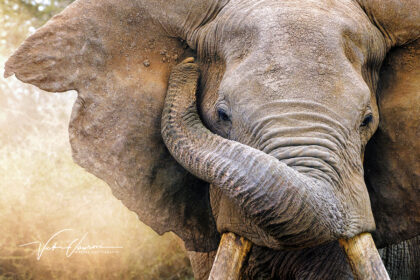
43, 191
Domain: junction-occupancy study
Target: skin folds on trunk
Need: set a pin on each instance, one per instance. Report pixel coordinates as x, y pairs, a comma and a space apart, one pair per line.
293, 209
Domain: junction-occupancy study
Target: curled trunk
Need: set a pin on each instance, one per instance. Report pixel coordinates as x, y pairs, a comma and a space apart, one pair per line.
291, 208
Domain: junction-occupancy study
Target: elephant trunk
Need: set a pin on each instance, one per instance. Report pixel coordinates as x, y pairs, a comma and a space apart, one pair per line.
293, 209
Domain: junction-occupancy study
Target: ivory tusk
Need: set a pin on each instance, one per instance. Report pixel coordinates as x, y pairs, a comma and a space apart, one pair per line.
361, 253
364, 258
230, 257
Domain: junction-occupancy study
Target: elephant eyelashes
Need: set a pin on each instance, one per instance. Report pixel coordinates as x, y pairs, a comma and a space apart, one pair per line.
224, 123
223, 115
367, 120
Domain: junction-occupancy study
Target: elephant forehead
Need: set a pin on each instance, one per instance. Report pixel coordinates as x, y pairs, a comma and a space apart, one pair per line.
241, 25
325, 79
298, 50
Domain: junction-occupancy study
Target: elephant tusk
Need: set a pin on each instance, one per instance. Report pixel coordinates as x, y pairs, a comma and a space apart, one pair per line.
364, 258
361, 253
230, 257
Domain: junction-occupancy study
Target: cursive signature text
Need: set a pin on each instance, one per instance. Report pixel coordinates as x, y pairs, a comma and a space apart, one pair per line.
74, 246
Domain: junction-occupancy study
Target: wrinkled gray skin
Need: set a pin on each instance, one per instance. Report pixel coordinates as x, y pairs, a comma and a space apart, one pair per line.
287, 102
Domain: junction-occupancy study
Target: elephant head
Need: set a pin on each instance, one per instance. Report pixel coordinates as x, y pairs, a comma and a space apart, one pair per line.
289, 96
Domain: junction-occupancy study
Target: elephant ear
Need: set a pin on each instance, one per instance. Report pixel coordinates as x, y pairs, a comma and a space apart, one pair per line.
392, 166
118, 55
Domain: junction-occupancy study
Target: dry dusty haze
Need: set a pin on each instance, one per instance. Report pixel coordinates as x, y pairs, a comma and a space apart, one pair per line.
44, 192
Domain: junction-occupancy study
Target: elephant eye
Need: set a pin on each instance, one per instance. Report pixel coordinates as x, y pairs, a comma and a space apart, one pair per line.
367, 120
223, 115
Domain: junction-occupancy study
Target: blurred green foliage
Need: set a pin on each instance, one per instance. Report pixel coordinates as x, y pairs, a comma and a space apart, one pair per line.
23, 105
18, 18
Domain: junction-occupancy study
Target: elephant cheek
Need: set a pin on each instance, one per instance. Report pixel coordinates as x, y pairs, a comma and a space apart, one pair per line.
357, 207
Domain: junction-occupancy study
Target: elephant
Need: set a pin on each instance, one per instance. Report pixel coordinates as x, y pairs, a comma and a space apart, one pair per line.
302, 127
